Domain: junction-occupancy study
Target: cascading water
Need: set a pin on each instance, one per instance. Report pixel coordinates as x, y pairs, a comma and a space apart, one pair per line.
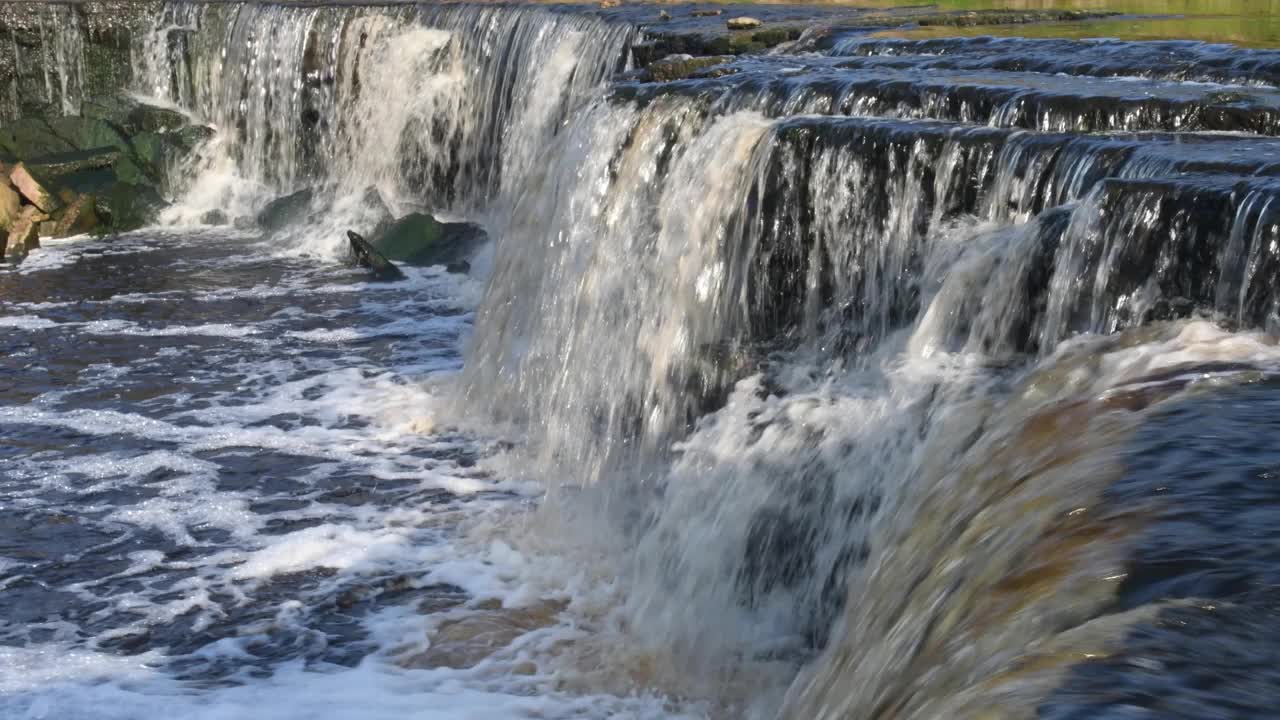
437, 106
839, 365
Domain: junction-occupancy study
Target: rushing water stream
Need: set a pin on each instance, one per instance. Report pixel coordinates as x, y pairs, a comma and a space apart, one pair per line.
869, 378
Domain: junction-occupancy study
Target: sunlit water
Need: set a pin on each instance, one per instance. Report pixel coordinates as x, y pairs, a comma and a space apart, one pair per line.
870, 378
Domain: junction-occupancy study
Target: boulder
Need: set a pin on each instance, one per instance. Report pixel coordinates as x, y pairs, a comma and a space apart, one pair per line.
743, 23
365, 255
160, 151
420, 239
35, 190
10, 206
214, 217
286, 210
84, 133
60, 164
132, 115
122, 206
379, 213
25, 233
79, 217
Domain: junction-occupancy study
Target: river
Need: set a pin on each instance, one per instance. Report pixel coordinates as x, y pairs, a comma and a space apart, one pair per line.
874, 376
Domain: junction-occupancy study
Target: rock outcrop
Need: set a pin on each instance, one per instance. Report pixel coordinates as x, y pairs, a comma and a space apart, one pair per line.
103, 171
365, 255
421, 239
286, 210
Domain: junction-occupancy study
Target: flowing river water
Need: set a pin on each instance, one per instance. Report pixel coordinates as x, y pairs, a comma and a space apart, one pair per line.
868, 378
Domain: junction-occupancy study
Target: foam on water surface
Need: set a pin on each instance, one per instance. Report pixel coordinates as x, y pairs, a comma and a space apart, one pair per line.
258, 500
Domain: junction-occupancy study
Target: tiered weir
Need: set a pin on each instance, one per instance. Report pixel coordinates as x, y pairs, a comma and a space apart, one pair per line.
838, 340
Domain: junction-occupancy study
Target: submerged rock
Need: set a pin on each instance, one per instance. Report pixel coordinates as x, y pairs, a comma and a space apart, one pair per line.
743, 23
365, 255
286, 210
377, 207
420, 239
214, 217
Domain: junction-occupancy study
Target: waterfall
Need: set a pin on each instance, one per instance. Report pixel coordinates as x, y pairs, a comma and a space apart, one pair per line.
443, 106
839, 351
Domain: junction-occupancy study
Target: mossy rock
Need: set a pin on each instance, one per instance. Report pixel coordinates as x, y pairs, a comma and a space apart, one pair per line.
420, 239
84, 133
123, 206
286, 210
133, 116
774, 36
681, 67
68, 163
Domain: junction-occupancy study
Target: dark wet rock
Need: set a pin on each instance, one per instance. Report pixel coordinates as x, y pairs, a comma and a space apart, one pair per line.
285, 210
462, 267
214, 217
122, 168
76, 161
84, 133
681, 67
420, 239
124, 206
707, 13
380, 212
32, 137
33, 82
78, 217
664, 16
132, 115
156, 152
743, 23
365, 255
